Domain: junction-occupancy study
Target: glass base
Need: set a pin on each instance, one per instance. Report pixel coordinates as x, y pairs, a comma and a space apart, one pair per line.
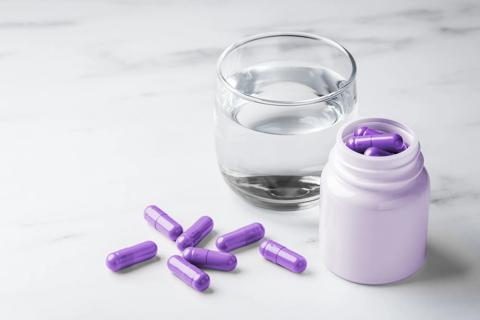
284, 193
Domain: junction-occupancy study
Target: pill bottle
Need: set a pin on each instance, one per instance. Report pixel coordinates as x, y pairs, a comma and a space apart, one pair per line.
374, 210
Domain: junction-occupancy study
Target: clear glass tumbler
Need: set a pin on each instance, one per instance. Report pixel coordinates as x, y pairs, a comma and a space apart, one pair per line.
280, 100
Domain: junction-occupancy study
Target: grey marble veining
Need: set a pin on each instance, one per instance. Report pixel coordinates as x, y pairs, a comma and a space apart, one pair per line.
106, 107
36, 24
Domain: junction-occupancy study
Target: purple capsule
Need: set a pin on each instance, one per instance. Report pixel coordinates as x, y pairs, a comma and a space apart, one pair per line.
162, 222
126, 257
376, 152
366, 131
282, 256
240, 237
209, 259
188, 273
193, 235
391, 142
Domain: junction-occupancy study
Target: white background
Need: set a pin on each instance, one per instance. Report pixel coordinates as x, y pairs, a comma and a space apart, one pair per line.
106, 107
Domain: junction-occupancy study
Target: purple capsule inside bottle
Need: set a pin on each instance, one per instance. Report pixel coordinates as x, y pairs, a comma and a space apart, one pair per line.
162, 222
366, 131
127, 257
210, 259
193, 235
391, 142
241, 237
188, 273
278, 254
376, 152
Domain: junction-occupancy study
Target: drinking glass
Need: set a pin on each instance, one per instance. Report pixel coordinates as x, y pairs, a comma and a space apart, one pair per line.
279, 102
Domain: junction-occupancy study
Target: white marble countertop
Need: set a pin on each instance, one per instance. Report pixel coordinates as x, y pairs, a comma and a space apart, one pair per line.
106, 107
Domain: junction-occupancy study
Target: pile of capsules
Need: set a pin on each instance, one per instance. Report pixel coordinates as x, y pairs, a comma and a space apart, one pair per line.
375, 143
186, 267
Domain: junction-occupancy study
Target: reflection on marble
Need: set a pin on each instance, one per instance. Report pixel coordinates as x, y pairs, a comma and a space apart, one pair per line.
106, 107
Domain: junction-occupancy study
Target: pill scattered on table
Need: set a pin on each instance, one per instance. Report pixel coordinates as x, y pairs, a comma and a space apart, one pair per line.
193, 235
162, 222
282, 256
188, 273
127, 257
240, 237
210, 259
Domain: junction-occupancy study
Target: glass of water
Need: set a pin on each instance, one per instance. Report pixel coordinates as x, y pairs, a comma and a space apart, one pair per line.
280, 99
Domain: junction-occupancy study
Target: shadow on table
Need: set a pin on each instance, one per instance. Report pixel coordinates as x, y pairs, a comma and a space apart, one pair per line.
440, 265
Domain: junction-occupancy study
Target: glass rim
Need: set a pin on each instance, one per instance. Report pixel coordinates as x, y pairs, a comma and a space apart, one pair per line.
260, 36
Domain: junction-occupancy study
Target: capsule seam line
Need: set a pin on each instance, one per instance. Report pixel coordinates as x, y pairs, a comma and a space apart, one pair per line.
155, 226
278, 253
206, 257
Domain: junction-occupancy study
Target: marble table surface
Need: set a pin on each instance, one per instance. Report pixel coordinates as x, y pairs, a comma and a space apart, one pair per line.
106, 107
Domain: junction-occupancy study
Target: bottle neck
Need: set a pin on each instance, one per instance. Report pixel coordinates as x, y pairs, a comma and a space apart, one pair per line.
388, 172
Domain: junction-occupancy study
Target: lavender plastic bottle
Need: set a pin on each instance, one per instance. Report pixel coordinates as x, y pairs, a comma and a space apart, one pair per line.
374, 210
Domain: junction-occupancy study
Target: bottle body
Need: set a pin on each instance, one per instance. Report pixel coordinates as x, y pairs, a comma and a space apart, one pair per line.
374, 211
